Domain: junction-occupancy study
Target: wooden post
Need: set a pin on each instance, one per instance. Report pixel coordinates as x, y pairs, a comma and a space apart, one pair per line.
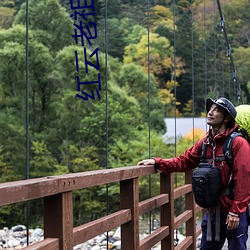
58, 219
167, 210
190, 205
129, 197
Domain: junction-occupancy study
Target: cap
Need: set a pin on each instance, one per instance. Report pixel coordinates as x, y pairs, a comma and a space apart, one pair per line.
223, 103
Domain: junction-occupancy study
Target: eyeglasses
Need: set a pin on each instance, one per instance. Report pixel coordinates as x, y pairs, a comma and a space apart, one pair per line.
221, 102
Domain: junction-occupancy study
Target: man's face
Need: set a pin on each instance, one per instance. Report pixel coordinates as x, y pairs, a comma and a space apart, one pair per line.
215, 116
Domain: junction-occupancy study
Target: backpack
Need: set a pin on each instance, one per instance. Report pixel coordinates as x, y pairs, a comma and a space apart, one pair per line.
243, 120
206, 179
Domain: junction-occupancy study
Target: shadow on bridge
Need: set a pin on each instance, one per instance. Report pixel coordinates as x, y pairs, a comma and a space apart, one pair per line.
59, 232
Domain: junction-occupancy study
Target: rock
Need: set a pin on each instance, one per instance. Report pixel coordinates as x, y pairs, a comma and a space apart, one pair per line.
111, 233
117, 245
18, 234
117, 234
91, 242
23, 240
16, 238
3, 233
111, 240
38, 232
100, 238
95, 248
18, 247
13, 243
103, 243
81, 246
18, 228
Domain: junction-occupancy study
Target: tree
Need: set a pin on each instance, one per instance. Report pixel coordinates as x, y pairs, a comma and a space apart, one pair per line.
119, 32
132, 78
6, 17
12, 122
242, 64
50, 21
161, 16
138, 53
40, 68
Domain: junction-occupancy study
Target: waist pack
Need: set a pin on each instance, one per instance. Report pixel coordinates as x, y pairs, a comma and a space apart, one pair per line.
206, 185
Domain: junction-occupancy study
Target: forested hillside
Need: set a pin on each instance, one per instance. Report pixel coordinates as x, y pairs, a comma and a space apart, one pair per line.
149, 69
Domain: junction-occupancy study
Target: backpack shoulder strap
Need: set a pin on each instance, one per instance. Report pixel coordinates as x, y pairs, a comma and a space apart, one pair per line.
227, 148
203, 152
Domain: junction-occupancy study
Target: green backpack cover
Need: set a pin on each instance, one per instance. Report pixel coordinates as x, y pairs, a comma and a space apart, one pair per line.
243, 119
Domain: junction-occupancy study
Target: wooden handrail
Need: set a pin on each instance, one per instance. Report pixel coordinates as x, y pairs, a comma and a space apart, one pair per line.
58, 208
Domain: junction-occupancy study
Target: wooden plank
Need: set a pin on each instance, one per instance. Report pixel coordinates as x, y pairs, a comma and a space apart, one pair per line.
90, 230
182, 218
190, 205
198, 231
24, 190
154, 238
152, 203
99, 177
58, 219
198, 209
46, 244
129, 195
185, 244
178, 192
167, 210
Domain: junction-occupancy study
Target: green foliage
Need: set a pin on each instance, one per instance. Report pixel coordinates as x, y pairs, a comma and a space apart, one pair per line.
242, 63
12, 68
12, 149
6, 17
161, 16
50, 21
132, 78
42, 162
160, 53
119, 31
87, 206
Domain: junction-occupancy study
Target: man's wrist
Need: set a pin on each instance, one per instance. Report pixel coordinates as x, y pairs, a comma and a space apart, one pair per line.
233, 214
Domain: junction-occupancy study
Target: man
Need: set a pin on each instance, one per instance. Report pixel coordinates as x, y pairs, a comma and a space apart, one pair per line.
221, 115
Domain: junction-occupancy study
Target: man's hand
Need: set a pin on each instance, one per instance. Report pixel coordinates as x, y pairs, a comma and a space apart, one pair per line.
232, 221
146, 162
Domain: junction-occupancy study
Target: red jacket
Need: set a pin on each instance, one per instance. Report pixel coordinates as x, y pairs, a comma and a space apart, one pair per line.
241, 167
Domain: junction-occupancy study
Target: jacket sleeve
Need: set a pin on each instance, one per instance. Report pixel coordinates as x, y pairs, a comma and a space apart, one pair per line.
241, 175
185, 162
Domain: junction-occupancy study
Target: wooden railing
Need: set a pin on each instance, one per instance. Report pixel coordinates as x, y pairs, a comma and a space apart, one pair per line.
59, 232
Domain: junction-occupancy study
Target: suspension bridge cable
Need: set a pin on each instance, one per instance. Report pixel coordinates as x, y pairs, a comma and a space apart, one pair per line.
174, 72
107, 113
229, 53
215, 52
175, 95
192, 73
221, 68
149, 120
205, 49
229, 83
27, 207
